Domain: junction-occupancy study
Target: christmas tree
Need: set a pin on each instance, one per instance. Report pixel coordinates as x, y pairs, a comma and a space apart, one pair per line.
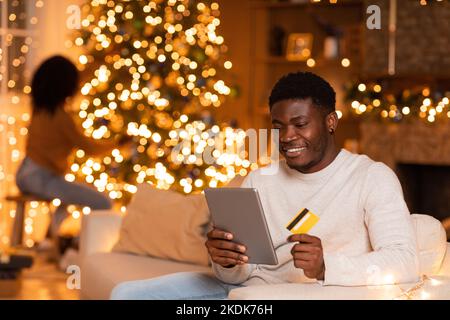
152, 70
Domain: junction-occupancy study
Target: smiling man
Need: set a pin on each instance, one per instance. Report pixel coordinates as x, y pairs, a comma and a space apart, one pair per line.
364, 236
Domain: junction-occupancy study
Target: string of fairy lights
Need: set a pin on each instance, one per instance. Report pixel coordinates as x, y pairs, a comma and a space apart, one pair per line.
369, 99
17, 51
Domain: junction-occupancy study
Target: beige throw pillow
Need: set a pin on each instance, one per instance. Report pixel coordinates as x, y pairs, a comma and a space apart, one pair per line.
165, 224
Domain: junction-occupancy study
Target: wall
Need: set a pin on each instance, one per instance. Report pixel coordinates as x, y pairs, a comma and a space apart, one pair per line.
235, 28
423, 39
55, 30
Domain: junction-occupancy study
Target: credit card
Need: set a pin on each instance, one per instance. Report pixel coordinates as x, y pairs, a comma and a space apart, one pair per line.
302, 222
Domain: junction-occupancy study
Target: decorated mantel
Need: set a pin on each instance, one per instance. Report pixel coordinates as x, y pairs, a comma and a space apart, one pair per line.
405, 108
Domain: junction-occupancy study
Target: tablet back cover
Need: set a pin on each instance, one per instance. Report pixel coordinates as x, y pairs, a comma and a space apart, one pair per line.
239, 211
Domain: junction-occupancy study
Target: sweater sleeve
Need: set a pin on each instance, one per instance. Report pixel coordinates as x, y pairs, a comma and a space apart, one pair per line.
394, 258
76, 137
239, 273
235, 275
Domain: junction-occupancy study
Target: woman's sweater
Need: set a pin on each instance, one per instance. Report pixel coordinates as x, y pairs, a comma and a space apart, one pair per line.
51, 139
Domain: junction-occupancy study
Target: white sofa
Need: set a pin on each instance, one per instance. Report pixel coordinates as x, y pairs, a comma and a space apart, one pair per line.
102, 270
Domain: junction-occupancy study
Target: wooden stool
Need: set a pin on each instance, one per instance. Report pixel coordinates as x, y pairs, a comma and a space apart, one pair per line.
21, 200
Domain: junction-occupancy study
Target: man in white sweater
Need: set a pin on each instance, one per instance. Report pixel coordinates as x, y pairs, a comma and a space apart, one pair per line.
364, 236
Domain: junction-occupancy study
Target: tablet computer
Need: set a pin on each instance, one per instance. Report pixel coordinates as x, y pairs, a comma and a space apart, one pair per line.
239, 211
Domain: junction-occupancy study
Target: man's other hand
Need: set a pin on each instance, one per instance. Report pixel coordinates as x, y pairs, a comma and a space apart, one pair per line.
223, 250
308, 255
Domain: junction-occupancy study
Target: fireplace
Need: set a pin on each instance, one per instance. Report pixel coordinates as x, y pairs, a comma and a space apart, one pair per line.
419, 153
426, 188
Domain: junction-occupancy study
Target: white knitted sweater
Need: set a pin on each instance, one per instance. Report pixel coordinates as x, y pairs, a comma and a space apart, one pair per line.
365, 226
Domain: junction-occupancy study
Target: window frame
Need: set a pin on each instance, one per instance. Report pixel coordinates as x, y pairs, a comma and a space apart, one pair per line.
28, 31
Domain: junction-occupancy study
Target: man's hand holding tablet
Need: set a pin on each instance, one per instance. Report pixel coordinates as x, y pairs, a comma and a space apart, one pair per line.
240, 233
223, 250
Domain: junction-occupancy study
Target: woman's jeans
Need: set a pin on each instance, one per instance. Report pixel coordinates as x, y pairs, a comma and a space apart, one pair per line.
34, 179
177, 286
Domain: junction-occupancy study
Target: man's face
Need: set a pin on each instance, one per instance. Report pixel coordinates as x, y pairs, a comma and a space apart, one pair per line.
304, 134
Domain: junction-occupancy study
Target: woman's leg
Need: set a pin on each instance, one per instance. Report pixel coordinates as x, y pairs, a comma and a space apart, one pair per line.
76, 193
32, 178
59, 216
177, 286
73, 193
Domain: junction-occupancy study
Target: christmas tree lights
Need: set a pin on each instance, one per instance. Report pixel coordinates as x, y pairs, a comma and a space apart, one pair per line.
154, 72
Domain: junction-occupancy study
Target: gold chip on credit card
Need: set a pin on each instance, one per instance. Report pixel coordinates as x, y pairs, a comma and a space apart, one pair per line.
302, 222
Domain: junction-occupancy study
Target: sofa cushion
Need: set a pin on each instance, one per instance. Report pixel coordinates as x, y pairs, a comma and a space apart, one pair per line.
312, 291
432, 242
165, 224
101, 272
435, 288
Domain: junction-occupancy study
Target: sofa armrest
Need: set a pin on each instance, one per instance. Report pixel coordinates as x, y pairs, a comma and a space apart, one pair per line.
99, 232
445, 267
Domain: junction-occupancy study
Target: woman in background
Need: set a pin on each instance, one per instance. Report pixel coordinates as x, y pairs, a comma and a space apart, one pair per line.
52, 137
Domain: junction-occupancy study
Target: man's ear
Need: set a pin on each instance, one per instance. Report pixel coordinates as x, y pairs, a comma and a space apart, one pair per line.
332, 122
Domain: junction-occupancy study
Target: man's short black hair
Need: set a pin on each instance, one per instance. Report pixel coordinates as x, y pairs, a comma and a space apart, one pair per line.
304, 85
55, 80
